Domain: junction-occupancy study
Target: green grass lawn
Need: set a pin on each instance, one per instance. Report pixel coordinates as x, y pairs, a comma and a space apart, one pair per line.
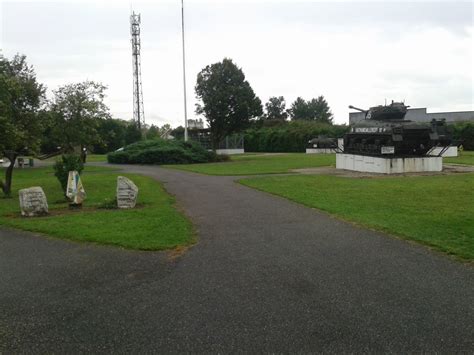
94, 158
155, 224
254, 164
434, 210
465, 157
91, 158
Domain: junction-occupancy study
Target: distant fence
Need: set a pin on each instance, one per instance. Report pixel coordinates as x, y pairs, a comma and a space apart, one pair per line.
234, 141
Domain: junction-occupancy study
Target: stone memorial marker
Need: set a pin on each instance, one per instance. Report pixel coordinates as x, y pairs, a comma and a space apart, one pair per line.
127, 193
33, 202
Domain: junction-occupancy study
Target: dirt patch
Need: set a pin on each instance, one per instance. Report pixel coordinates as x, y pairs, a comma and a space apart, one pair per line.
448, 169
67, 211
177, 252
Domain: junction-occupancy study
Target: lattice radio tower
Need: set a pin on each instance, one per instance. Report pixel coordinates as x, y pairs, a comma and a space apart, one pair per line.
138, 112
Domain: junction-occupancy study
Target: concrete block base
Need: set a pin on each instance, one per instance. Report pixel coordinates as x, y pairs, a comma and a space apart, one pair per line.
320, 151
340, 143
387, 165
230, 151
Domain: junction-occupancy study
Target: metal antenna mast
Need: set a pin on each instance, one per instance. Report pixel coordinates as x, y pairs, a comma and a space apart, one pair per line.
138, 112
184, 76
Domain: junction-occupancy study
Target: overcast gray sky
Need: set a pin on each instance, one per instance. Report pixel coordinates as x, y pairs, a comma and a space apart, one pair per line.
358, 53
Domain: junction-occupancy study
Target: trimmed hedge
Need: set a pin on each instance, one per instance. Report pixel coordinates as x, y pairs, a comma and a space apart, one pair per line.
291, 136
464, 133
284, 136
160, 151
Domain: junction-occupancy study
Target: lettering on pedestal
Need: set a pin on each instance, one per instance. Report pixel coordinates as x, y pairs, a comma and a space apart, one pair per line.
33, 202
127, 193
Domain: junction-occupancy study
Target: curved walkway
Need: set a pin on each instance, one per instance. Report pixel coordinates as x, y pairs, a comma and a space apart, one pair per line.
267, 275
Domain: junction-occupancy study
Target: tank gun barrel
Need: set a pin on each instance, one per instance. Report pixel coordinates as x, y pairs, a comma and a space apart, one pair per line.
358, 109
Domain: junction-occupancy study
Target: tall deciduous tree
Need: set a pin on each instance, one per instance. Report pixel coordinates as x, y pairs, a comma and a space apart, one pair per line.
78, 109
276, 108
132, 133
319, 110
227, 99
21, 98
152, 132
112, 135
299, 110
313, 110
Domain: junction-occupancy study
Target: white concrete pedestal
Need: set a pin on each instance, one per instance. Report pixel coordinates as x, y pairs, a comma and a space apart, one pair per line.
387, 165
230, 151
450, 152
320, 151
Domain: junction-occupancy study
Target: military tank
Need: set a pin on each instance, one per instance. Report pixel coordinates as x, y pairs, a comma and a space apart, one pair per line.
322, 142
386, 132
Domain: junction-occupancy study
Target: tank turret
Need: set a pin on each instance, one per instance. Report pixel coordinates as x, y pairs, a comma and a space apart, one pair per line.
394, 111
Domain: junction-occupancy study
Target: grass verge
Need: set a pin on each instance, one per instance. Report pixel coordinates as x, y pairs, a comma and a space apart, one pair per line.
465, 157
154, 225
95, 158
434, 210
255, 164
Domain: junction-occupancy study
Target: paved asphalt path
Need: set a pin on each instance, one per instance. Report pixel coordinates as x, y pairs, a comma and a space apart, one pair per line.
267, 275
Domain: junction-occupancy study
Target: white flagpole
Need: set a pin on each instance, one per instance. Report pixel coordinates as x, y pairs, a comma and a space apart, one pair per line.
184, 76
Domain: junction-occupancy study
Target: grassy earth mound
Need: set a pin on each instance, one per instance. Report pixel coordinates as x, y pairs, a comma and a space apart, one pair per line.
160, 151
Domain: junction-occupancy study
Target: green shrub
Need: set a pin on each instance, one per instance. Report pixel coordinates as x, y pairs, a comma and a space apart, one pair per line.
284, 136
463, 132
63, 166
160, 151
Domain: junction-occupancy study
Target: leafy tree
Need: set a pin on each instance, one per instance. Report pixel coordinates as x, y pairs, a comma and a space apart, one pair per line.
319, 110
228, 101
21, 98
50, 140
132, 133
157, 132
78, 110
178, 132
152, 132
299, 110
314, 110
276, 108
112, 133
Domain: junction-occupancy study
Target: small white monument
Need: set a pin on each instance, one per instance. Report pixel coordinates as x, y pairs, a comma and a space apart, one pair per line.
75, 191
33, 202
320, 150
127, 193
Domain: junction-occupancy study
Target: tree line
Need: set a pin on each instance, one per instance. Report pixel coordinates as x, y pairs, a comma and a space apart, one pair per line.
73, 120
229, 104
76, 119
